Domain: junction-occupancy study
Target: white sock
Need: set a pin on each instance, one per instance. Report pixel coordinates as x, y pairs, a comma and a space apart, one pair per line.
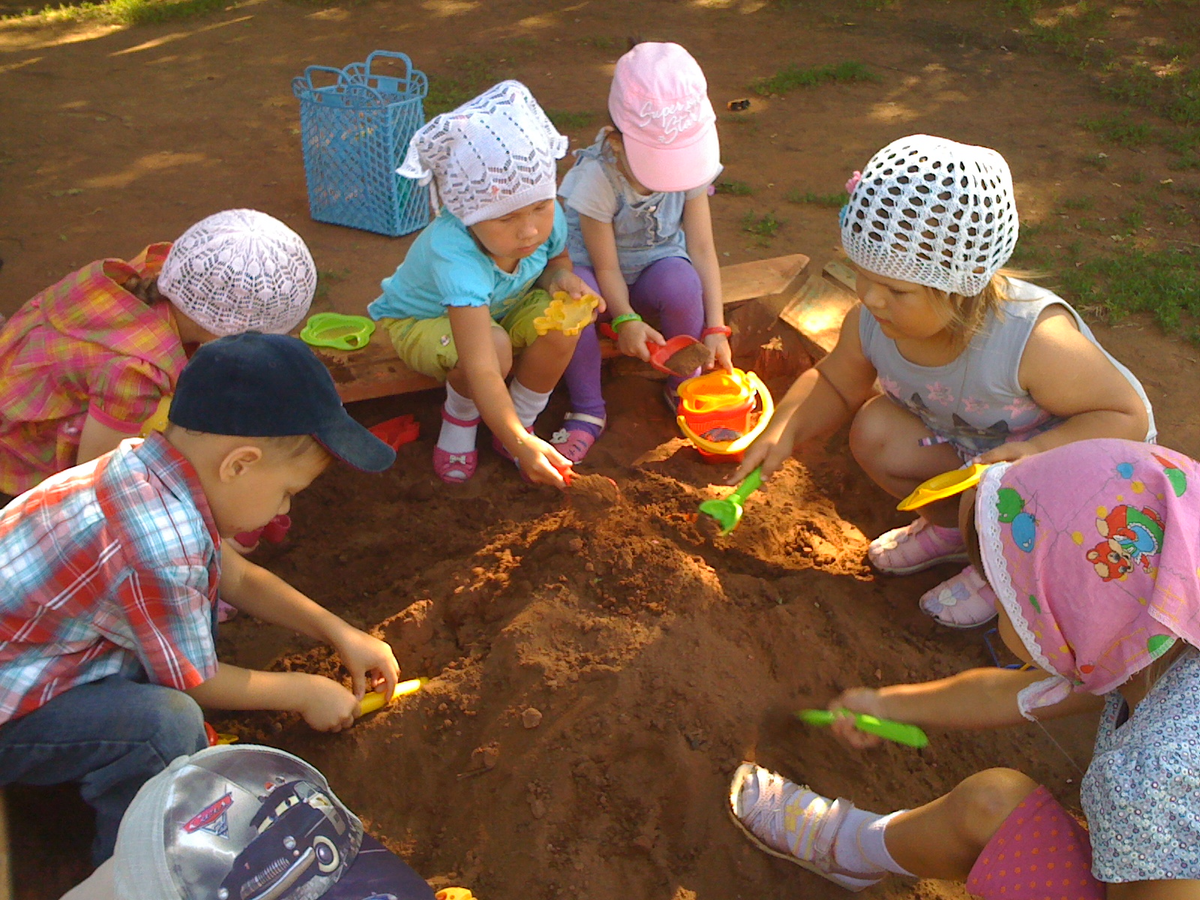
528, 404
456, 438
861, 847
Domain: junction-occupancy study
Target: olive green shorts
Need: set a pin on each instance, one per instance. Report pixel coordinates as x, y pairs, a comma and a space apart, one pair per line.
427, 345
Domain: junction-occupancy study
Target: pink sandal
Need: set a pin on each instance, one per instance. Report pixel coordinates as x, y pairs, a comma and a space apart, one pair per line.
964, 601
574, 443
456, 468
916, 547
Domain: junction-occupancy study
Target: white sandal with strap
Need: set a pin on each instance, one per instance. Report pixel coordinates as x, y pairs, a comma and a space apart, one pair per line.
766, 807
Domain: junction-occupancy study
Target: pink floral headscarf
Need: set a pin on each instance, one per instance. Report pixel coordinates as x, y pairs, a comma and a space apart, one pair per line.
1094, 551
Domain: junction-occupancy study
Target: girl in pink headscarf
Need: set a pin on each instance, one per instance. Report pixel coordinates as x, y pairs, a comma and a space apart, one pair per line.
1093, 550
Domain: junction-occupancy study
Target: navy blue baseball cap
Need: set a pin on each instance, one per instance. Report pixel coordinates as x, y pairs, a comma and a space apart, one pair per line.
271, 385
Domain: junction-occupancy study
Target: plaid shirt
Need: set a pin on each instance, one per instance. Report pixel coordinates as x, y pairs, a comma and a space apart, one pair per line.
108, 568
84, 346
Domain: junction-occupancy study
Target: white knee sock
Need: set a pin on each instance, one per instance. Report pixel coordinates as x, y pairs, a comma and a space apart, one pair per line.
456, 438
528, 404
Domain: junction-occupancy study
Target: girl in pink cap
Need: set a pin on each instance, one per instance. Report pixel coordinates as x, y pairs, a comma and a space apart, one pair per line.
639, 229
1091, 549
948, 358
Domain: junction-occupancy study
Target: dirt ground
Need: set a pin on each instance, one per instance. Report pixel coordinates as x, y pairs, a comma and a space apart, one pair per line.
658, 655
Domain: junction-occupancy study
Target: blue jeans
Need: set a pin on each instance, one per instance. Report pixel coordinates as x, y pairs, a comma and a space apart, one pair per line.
111, 736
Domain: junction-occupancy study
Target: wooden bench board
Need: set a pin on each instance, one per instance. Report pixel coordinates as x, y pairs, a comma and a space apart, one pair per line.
376, 371
821, 304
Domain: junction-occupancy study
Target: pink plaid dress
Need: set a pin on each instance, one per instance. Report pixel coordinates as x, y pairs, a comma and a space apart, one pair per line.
84, 346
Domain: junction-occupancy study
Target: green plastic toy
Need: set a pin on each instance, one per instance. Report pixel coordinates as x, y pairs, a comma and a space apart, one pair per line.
728, 510
338, 330
900, 732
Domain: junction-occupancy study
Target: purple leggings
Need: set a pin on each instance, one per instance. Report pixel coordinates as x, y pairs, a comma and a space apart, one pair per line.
668, 291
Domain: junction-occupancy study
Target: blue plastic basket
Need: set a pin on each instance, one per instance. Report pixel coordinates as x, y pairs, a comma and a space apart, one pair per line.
355, 133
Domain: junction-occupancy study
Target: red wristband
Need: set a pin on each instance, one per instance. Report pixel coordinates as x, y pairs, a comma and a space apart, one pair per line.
717, 329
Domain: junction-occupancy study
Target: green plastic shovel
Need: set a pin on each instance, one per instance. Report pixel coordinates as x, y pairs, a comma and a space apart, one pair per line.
900, 732
727, 511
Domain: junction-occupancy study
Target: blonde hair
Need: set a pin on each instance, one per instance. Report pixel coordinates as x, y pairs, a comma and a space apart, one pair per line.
967, 314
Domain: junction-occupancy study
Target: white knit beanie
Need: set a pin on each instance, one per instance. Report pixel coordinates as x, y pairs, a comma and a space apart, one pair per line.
240, 270
932, 211
489, 157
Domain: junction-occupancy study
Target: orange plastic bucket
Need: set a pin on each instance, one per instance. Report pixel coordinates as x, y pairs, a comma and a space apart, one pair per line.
717, 413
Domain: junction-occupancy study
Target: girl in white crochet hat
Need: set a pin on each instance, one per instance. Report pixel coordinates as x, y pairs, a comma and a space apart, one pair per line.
87, 361
459, 308
972, 364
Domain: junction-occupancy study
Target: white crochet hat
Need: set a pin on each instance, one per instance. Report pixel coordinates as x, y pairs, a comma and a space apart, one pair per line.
492, 155
240, 270
934, 212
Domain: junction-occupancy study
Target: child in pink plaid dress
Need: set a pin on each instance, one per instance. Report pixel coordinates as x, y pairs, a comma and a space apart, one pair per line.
88, 360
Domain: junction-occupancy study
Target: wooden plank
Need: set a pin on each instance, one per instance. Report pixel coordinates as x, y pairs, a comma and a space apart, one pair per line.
376, 371
761, 277
817, 312
839, 270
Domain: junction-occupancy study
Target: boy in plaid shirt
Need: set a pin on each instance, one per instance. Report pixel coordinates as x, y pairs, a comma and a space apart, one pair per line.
109, 576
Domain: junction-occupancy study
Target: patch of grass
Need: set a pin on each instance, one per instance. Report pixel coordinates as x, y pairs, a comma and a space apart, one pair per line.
599, 41
566, 120
126, 12
1173, 94
734, 188
1120, 130
762, 228
1165, 283
1158, 78
472, 75
829, 201
1079, 203
848, 72
1133, 218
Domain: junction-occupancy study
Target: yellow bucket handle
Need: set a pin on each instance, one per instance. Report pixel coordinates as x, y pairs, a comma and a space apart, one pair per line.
736, 446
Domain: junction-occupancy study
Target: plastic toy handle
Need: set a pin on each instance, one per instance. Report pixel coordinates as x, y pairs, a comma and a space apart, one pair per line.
889, 729
939, 487
749, 485
764, 419
375, 700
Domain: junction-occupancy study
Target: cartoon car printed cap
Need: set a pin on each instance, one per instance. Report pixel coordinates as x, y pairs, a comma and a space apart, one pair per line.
245, 822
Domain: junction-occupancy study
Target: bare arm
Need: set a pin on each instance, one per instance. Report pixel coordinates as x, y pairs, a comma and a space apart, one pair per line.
976, 699
96, 439
697, 228
1069, 376
255, 591
820, 402
325, 704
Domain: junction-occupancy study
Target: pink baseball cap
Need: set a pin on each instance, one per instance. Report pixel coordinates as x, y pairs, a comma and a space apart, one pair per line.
659, 102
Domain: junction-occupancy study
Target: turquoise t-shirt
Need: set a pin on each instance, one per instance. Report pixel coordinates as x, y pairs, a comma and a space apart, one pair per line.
445, 267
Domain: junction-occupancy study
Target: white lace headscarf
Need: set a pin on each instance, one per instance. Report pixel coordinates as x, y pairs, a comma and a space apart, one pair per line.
240, 270
932, 211
491, 156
